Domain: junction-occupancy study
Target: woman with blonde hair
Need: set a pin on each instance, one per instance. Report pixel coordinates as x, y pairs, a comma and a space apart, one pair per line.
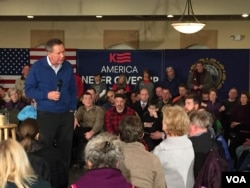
16, 171
176, 152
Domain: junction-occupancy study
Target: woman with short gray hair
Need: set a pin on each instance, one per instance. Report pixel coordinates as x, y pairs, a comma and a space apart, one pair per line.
102, 155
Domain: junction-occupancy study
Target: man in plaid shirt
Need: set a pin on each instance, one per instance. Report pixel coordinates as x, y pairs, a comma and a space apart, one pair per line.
114, 115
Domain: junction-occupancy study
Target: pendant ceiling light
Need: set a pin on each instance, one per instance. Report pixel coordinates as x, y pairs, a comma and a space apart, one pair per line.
188, 24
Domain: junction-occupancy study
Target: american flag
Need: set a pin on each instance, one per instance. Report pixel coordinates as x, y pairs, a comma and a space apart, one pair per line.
13, 59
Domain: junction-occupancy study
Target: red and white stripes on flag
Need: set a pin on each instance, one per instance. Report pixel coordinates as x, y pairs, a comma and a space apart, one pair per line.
7, 79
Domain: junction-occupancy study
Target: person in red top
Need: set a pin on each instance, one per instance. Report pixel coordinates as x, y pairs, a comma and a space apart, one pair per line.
79, 85
114, 115
146, 82
121, 84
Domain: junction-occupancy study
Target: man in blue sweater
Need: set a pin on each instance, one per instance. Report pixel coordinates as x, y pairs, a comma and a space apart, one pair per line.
51, 83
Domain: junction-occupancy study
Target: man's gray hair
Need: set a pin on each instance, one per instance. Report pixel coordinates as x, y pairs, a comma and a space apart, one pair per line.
104, 150
170, 68
202, 119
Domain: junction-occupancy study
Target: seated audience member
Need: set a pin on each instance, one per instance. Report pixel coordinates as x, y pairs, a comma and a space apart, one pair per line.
171, 82
199, 79
133, 98
144, 167
100, 88
176, 151
89, 120
15, 100
121, 91
183, 92
114, 115
16, 170
141, 106
28, 132
240, 123
192, 103
243, 156
213, 105
158, 93
152, 124
201, 138
166, 98
110, 100
204, 96
103, 154
121, 84
28, 111
146, 82
3, 95
14, 105
229, 104
92, 91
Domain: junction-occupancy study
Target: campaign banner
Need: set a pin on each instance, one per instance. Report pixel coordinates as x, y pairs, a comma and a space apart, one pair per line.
112, 63
228, 67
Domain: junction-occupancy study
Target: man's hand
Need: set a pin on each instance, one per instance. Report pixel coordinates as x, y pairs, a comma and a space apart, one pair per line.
54, 95
222, 108
89, 135
196, 87
156, 135
76, 124
155, 114
234, 124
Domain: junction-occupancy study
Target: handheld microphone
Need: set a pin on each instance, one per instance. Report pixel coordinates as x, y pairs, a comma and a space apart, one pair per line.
59, 85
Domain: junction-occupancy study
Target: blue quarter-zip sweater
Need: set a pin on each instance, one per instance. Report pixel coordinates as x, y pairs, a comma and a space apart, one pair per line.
42, 79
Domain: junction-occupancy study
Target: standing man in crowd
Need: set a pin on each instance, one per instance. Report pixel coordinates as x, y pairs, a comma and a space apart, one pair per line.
171, 82
199, 79
51, 83
20, 82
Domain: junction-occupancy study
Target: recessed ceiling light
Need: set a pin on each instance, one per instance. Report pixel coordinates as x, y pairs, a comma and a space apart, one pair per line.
30, 17
99, 16
170, 16
244, 15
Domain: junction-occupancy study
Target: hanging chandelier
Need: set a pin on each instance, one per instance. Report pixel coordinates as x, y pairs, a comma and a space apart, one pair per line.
191, 23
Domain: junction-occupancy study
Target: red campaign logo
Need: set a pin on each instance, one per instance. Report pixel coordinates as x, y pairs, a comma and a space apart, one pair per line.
120, 57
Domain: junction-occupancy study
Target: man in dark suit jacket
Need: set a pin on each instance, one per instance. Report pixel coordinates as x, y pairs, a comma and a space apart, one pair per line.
141, 106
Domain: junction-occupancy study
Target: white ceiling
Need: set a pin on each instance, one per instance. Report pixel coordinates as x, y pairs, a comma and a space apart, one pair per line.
121, 7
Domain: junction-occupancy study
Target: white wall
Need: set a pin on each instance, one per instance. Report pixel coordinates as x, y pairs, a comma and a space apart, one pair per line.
89, 35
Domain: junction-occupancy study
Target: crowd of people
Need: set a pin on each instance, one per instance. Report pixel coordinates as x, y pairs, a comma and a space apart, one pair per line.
152, 135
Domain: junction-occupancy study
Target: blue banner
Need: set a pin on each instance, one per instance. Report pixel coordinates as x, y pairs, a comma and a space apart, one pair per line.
229, 68
111, 63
